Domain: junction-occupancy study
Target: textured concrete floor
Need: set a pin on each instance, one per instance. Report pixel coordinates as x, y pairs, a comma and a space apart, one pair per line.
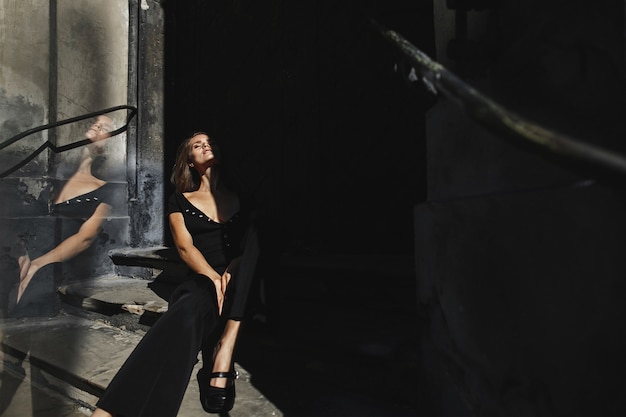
325, 343
58, 366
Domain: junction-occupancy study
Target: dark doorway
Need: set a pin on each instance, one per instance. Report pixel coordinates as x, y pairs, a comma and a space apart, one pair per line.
315, 113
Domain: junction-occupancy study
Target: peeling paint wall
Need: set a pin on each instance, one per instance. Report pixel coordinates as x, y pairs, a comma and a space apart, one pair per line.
58, 60
23, 75
147, 197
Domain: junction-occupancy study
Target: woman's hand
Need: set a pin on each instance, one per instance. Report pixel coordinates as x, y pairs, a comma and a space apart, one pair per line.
225, 280
24, 263
28, 270
220, 289
219, 292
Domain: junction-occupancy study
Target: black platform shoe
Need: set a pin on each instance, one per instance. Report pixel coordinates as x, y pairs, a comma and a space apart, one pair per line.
214, 399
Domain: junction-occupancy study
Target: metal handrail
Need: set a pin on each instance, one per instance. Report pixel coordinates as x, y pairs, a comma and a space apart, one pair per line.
58, 149
492, 114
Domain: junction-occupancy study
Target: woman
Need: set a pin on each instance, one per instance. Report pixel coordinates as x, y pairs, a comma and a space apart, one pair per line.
80, 206
211, 229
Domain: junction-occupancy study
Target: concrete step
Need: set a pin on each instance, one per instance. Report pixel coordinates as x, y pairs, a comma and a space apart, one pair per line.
26, 391
76, 353
113, 295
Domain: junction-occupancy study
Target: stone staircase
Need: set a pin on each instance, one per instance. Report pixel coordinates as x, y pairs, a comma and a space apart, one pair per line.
336, 336
59, 366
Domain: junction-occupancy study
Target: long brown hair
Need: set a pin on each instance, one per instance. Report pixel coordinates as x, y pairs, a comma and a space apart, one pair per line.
184, 177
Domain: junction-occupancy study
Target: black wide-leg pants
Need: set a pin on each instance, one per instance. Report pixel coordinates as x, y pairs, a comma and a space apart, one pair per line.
154, 378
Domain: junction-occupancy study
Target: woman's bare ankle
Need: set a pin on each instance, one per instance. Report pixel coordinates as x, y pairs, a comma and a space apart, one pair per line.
222, 362
223, 354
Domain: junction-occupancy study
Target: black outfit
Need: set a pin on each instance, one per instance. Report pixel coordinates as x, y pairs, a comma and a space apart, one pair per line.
40, 298
153, 380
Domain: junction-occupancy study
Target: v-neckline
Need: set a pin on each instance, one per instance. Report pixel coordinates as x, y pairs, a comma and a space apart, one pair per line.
80, 196
211, 218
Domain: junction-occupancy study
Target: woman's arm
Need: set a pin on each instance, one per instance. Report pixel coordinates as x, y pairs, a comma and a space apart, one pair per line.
79, 241
192, 256
67, 249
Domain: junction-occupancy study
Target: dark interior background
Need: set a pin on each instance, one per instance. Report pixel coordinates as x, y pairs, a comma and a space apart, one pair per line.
315, 118
311, 111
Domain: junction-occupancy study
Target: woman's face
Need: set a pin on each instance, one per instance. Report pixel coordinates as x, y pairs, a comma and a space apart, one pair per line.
99, 129
201, 152
97, 132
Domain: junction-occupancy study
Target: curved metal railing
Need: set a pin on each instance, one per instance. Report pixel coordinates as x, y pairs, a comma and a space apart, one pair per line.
57, 149
487, 112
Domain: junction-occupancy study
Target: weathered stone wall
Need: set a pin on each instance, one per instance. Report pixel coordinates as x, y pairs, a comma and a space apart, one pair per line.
23, 76
60, 60
519, 255
146, 169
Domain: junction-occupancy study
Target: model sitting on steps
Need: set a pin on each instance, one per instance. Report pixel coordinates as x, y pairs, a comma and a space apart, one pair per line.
212, 230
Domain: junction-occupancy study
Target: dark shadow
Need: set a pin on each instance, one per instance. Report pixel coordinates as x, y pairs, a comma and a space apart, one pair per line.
347, 354
11, 378
321, 124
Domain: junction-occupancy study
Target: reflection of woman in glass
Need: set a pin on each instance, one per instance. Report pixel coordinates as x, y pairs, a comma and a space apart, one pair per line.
81, 204
211, 228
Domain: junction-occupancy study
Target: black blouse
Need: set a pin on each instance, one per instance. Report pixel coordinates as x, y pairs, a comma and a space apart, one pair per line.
83, 206
222, 242
218, 242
